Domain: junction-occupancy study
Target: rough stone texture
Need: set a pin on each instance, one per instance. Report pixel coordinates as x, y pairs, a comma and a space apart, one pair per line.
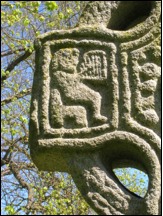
96, 103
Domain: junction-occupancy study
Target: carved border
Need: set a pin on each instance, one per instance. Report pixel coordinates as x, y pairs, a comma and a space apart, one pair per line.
45, 129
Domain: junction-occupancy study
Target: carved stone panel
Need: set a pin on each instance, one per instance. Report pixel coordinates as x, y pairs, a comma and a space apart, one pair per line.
78, 88
96, 103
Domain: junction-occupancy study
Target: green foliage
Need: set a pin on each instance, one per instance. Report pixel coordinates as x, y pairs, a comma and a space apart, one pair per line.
51, 5
10, 210
59, 196
134, 180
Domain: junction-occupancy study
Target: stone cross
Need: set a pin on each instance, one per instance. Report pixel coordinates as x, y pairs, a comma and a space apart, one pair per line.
96, 103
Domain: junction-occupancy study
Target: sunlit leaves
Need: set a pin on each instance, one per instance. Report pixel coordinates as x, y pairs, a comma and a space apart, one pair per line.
69, 11
58, 196
26, 22
51, 5
19, 4
10, 210
41, 18
36, 3
61, 15
4, 73
133, 179
23, 119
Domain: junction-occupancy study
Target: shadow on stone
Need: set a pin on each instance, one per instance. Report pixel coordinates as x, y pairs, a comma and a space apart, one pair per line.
129, 14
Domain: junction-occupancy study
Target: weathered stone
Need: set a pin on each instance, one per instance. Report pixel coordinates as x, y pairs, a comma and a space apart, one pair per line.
96, 103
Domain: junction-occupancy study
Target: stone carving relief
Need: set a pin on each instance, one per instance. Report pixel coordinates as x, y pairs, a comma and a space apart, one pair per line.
94, 65
58, 112
66, 79
96, 103
146, 78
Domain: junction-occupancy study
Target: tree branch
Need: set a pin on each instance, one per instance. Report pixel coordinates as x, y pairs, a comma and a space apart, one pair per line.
10, 52
6, 171
17, 96
23, 183
15, 63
